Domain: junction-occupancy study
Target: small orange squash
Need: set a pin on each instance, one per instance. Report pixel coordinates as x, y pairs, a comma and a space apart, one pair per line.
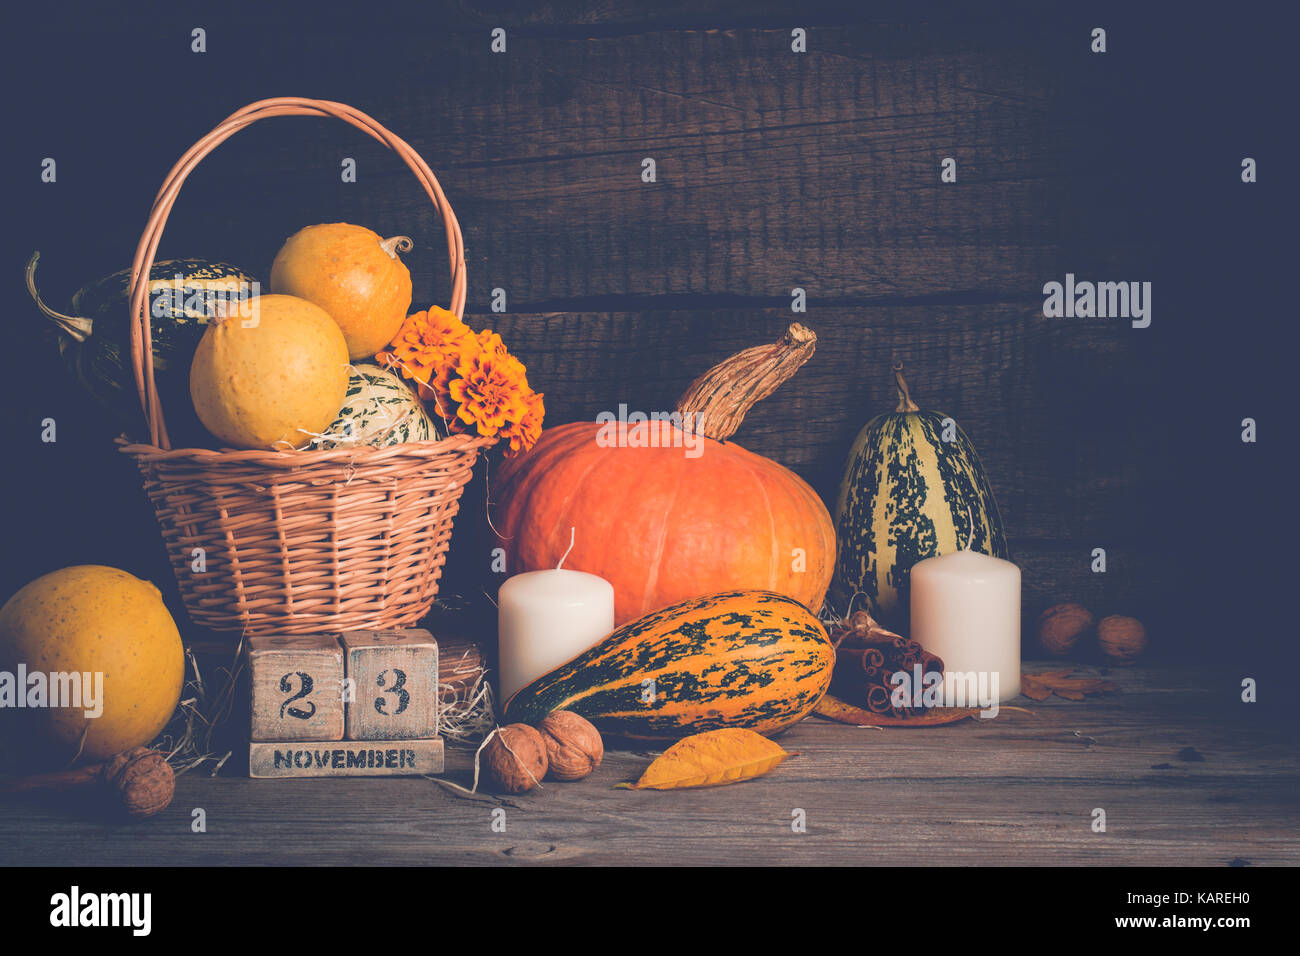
352, 273
663, 525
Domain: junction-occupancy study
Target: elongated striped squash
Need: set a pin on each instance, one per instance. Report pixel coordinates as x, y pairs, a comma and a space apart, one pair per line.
752, 659
908, 494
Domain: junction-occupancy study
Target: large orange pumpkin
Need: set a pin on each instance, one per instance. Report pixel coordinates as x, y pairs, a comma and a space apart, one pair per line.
662, 525
354, 275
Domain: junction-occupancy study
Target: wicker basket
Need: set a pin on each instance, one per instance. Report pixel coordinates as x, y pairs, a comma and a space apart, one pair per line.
299, 542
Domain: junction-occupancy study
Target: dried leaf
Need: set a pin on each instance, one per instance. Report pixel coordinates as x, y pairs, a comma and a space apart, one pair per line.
709, 759
1033, 688
1088, 685
1043, 686
835, 709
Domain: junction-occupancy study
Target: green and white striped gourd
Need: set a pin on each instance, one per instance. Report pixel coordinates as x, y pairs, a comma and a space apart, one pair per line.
379, 409
907, 495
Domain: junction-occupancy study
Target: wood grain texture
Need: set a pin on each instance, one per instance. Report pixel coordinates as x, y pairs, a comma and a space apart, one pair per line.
774, 169
295, 688
393, 675
1186, 773
1056, 438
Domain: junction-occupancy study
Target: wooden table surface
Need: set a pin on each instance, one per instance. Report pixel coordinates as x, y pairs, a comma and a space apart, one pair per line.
1186, 773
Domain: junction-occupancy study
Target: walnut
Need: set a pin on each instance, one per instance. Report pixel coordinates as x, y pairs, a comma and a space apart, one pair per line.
515, 758
1061, 626
573, 746
141, 779
1122, 639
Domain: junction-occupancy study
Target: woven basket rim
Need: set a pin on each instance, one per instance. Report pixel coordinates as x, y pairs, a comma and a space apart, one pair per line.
354, 455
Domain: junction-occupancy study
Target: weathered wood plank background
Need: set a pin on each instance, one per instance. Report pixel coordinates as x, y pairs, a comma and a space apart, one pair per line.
775, 170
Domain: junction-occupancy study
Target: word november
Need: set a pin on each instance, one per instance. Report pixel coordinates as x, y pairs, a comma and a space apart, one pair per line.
407, 757
340, 758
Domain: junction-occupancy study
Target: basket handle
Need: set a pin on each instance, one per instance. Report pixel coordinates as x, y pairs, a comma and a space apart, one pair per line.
146, 251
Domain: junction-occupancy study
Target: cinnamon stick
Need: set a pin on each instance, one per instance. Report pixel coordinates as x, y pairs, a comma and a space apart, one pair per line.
887, 643
878, 699
851, 657
868, 659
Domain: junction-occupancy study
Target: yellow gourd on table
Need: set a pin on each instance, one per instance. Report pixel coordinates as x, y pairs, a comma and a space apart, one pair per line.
89, 620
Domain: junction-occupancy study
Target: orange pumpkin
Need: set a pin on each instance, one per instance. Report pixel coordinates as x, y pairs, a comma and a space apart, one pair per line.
354, 275
668, 512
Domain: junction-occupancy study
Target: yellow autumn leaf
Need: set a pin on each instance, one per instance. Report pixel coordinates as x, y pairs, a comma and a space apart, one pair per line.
709, 759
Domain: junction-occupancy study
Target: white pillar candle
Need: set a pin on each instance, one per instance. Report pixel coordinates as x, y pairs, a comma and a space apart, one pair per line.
545, 618
966, 609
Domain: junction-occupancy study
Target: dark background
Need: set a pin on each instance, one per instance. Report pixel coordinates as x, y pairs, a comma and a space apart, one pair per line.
775, 170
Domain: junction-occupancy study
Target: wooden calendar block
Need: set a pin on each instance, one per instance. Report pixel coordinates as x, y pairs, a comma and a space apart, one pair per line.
348, 758
392, 684
295, 688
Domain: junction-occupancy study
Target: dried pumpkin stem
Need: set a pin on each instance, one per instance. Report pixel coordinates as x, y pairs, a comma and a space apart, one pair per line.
397, 244
905, 403
719, 400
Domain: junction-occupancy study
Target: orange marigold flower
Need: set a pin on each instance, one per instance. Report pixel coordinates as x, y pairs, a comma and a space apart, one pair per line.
444, 328
489, 392
523, 434
426, 342
454, 364
471, 379
491, 343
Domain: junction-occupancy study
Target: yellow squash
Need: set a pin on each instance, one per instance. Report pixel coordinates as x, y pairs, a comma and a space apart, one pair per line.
273, 379
92, 620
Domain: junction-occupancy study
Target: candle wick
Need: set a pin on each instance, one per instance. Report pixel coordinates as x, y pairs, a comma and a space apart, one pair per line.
970, 527
573, 534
